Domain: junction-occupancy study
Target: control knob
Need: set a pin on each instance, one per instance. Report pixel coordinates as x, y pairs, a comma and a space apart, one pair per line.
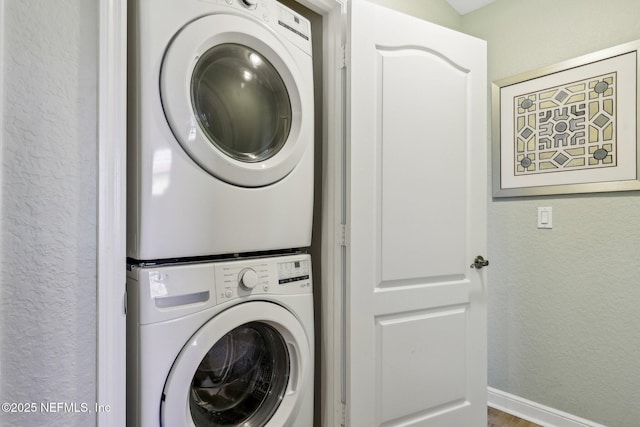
248, 278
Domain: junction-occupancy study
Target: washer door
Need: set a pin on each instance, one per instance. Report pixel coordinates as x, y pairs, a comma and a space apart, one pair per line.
242, 368
231, 93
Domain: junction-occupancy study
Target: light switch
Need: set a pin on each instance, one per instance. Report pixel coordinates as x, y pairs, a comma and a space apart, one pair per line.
545, 217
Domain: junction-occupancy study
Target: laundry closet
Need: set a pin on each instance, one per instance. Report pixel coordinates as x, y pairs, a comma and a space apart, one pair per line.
306, 194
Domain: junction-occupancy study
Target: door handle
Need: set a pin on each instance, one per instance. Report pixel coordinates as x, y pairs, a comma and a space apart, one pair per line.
479, 262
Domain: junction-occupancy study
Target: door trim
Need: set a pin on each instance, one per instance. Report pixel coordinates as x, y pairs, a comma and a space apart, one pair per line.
111, 258
332, 375
1, 99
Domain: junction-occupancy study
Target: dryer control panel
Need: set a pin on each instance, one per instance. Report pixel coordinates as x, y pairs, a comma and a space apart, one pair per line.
286, 275
282, 19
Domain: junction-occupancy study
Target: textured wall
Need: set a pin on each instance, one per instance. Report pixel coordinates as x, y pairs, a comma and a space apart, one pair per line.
48, 234
563, 303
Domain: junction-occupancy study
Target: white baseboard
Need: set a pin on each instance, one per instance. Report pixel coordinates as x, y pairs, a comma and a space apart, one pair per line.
534, 412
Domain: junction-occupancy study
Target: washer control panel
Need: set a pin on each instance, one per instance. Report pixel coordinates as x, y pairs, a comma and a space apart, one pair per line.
286, 275
293, 271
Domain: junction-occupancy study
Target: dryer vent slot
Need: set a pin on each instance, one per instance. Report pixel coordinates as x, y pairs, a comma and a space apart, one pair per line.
175, 301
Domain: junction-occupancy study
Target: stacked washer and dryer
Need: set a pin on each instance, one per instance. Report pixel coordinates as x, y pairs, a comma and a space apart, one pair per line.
220, 206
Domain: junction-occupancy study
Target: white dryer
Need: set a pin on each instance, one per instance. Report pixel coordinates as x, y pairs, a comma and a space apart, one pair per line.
221, 344
220, 130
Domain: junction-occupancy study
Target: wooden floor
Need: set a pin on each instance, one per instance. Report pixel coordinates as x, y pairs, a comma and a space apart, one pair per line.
500, 419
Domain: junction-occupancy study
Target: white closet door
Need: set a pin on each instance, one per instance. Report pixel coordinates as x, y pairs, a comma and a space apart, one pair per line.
416, 310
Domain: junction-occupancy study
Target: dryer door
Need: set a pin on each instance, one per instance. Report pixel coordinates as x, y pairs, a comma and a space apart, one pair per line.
237, 99
243, 368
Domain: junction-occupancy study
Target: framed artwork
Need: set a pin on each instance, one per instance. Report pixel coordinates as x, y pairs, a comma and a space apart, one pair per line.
569, 128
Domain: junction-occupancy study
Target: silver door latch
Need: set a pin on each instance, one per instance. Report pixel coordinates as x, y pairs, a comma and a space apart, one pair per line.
479, 262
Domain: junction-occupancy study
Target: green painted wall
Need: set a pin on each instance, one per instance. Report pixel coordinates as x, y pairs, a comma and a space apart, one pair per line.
564, 304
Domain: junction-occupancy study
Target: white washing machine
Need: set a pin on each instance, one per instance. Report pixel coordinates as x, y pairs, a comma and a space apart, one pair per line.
220, 129
221, 344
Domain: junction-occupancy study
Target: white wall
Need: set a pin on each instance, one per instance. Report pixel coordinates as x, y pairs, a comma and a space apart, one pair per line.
564, 317
48, 221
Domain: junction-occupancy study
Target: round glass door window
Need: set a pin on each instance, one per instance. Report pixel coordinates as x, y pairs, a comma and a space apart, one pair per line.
240, 102
242, 379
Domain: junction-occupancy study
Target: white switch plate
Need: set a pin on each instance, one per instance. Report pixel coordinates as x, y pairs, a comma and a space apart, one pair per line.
545, 217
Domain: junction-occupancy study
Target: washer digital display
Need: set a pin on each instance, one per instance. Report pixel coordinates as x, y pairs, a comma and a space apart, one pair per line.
293, 271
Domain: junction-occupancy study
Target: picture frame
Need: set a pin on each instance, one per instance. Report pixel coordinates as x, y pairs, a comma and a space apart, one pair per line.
569, 128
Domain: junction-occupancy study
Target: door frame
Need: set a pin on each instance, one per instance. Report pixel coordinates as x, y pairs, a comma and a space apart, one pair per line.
111, 191
1, 102
111, 258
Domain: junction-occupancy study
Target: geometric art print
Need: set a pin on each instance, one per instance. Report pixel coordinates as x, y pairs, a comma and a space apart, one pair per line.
566, 127
569, 128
